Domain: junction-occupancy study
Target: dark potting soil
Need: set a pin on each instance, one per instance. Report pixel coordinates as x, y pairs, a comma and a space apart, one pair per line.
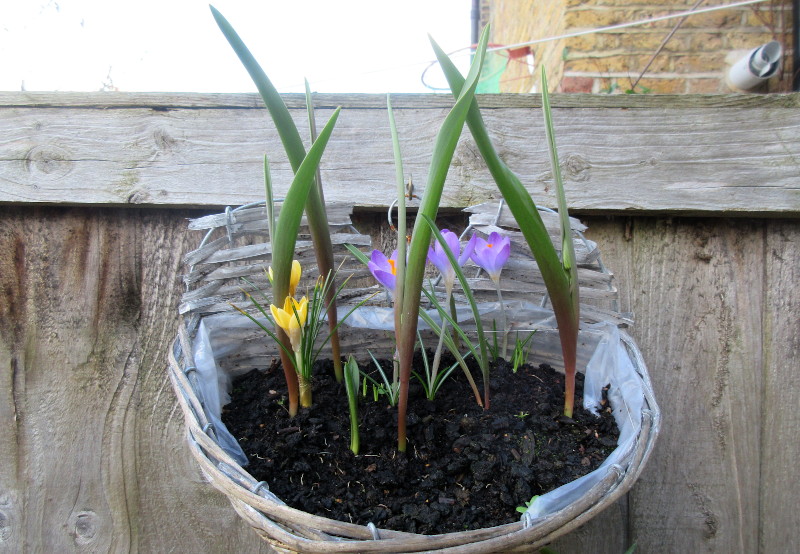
464, 467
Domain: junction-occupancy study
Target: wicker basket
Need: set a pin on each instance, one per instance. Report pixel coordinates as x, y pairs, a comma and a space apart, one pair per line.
214, 281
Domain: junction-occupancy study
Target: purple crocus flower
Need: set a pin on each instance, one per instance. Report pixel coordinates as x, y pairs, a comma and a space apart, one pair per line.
492, 254
437, 256
384, 269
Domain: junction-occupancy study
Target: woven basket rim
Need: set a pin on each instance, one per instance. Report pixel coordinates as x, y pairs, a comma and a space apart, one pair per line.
291, 528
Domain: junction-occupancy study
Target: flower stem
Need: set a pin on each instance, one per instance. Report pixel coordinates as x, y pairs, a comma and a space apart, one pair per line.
304, 382
504, 354
289, 374
437, 357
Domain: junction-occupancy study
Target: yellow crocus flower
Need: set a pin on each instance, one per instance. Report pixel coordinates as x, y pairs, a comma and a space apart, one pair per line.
291, 318
294, 278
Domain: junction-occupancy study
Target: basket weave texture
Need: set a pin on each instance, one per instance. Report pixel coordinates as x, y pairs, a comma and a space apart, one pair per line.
236, 249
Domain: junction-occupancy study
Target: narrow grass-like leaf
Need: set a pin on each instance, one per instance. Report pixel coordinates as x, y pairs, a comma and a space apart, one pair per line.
330, 299
450, 342
400, 274
261, 325
358, 254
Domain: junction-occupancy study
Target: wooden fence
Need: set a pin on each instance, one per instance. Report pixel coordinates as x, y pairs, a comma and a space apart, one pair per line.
694, 202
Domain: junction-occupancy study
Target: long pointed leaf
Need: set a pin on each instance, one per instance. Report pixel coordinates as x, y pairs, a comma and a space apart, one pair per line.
292, 144
571, 311
292, 211
445, 146
527, 216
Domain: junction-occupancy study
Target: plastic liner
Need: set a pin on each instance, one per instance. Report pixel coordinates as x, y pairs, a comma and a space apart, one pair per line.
223, 341
214, 386
610, 364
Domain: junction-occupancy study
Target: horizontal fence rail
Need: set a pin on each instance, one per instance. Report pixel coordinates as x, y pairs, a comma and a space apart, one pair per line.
690, 155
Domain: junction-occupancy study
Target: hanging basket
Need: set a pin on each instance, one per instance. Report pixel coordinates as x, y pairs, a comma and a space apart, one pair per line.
215, 343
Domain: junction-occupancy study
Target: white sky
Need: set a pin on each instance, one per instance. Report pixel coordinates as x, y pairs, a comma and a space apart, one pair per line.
175, 45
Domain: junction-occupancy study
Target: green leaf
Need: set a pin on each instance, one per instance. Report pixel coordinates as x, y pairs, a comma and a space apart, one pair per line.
295, 151
270, 202
561, 289
292, 211
399, 291
359, 255
516, 196
567, 248
284, 123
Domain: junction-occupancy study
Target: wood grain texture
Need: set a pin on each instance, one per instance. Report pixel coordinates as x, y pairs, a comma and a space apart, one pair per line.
724, 154
780, 421
93, 452
697, 288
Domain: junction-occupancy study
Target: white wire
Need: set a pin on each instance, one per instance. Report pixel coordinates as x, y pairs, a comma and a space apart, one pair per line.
630, 24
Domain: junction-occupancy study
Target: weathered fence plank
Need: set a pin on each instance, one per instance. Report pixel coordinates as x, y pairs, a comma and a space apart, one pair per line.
697, 288
723, 155
780, 424
92, 447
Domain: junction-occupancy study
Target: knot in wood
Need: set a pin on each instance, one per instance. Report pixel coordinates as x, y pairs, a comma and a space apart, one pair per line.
85, 527
576, 167
163, 140
48, 160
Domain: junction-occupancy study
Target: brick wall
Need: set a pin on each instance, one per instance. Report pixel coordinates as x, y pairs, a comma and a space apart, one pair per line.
695, 60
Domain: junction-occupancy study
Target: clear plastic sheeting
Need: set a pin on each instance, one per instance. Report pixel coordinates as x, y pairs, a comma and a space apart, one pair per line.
214, 386
612, 363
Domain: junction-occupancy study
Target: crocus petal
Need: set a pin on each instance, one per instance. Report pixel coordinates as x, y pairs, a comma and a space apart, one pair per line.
287, 319
278, 316
301, 309
492, 255
438, 257
383, 268
469, 248
294, 279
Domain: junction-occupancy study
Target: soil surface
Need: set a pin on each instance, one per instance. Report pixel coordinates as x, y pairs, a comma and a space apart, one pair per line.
464, 468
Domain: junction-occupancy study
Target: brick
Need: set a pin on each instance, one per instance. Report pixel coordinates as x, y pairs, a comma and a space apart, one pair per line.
747, 41
589, 18
705, 42
588, 64
763, 17
664, 86
649, 41
731, 18
699, 63
592, 43
576, 84
615, 64
706, 86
